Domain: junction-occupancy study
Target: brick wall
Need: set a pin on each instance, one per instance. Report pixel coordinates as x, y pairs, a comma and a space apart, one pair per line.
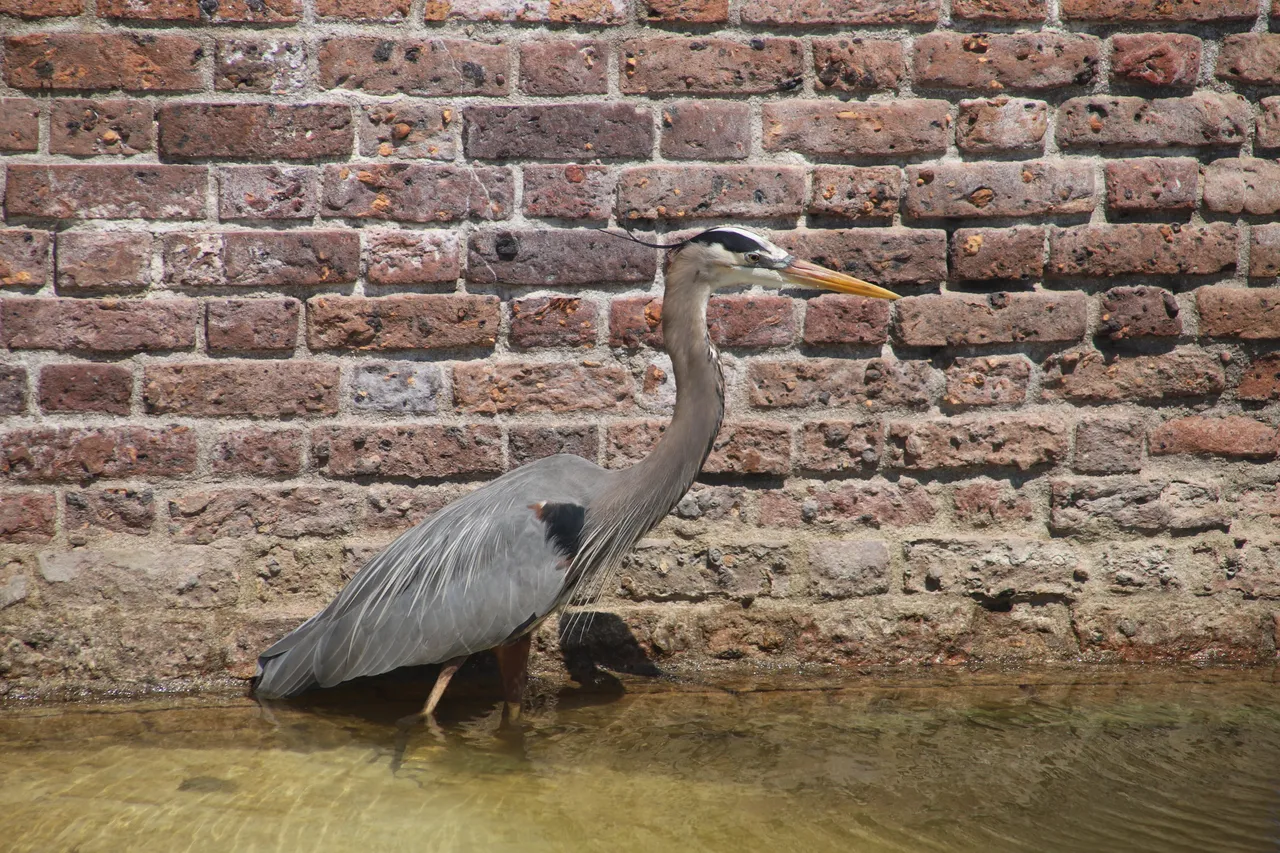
280, 277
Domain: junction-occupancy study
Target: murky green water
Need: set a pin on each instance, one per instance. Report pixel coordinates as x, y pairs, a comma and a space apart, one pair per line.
1174, 761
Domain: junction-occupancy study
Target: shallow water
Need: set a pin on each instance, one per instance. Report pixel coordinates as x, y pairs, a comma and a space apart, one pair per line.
1188, 760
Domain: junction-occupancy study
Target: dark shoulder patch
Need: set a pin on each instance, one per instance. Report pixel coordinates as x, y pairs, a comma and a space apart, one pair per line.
564, 523
733, 239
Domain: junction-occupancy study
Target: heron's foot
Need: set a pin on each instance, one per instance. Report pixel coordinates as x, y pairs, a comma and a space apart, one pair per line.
512, 711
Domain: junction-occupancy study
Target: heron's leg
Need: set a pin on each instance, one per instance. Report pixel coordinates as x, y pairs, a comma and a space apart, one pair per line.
437, 690
513, 665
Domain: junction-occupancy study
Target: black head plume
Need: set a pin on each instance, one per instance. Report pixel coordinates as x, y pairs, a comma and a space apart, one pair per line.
634, 239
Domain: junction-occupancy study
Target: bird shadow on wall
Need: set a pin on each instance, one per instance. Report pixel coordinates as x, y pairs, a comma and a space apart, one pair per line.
595, 644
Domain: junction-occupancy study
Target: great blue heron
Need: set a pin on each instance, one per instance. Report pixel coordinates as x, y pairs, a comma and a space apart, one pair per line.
483, 572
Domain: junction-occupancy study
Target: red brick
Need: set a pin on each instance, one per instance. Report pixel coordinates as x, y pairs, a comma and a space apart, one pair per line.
408, 129
635, 321
1007, 440
19, 124
874, 503
418, 451
104, 388
412, 257
1035, 188
269, 389
1001, 318
1207, 436
857, 128
836, 318
139, 62
267, 192
597, 12
839, 383
999, 61
687, 11
413, 66
66, 191
71, 454
557, 257
1106, 445
999, 10
717, 192
836, 446
1157, 11
858, 65
1138, 248
552, 321
568, 192
805, 13
236, 325
99, 325
1230, 312
558, 131
430, 321
1151, 184
192, 11
117, 510
887, 256
415, 193
564, 67
857, 193
709, 66
987, 502
1242, 185
1002, 124
269, 66
739, 448
27, 518
289, 513
505, 387
1138, 312
86, 127
254, 131
41, 8
92, 261
983, 254
392, 11
13, 389
1250, 58
527, 443
1264, 251
1156, 59
257, 452
1205, 119
1261, 379
1090, 377
1269, 123
993, 380
750, 321
706, 130
24, 257
290, 258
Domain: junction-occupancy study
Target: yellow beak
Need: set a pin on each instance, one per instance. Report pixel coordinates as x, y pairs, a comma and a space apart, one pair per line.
812, 275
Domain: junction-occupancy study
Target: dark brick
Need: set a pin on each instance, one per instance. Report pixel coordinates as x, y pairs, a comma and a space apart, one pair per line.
993, 380
391, 11
1139, 312
1151, 184
65, 191
552, 321
985, 254
858, 65
247, 325
1158, 11
430, 321
1109, 445
853, 192
527, 443
887, 256
413, 66
1232, 436
93, 261
268, 389
1229, 312
192, 11
407, 387
419, 451
1156, 59
72, 454
836, 318
717, 192
1001, 318
1138, 248
564, 67
13, 389
1261, 379
24, 257
708, 66
837, 446
1090, 377
999, 61
98, 325
117, 510
1242, 185
1205, 119
1264, 251
857, 128
842, 505
84, 127
556, 257
706, 130
257, 452
103, 388
27, 518
505, 387
416, 193
1132, 504
19, 125
240, 513
290, 258
412, 257
839, 383
267, 192
1035, 188
1000, 10
267, 66
568, 192
806, 13
407, 128
558, 131
1007, 440
139, 62
1250, 58
1002, 124
255, 131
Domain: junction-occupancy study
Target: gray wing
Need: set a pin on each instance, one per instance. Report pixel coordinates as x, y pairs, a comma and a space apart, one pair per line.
477, 573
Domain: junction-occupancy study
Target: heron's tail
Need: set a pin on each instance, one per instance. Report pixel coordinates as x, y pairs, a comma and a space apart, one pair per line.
288, 667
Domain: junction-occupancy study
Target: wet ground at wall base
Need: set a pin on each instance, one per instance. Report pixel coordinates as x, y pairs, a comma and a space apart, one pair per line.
1052, 760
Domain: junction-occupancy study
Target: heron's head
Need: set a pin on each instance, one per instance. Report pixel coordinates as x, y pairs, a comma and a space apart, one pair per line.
729, 257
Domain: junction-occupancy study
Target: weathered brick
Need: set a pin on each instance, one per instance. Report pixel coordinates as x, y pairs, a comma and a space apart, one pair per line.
993, 380
1001, 318
1242, 185
1008, 440
13, 389
1108, 445
999, 61
97, 61
504, 387
122, 510
430, 321
558, 131
1131, 504
809, 12
1002, 124
413, 66
269, 389
706, 130
636, 321
1264, 251
1151, 629
739, 448
564, 67
984, 503
836, 318
667, 570
858, 65
19, 125
92, 261
836, 446
857, 128
1156, 59
687, 11
849, 568
604, 12
72, 454
839, 383
1250, 58
267, 192
102, 388
419, 451
1205, 119
569, 192
269, 66
1230, 312
290, 258
24, 257
1269, 123
409, 192
1139, 312
98, 325
1139, 248
193, 259
1232, 436
1158, 11
1150, 184
407, 387
257, 452
529, 442
887, 256
191, 11
858, 193
67, 191
1261, 379
556, 258
552, 321
708, 66
1090, 377
203, 516
1034, 188
246, 325
407, 128
992, 569
27, 518
412, 257
842, 505
41, 8
984, 254
718, 192
84, 127
254, 131
391, 11
1000, 10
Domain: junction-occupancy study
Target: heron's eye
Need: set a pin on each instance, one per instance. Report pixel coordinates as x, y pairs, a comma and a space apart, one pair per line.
752, 257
